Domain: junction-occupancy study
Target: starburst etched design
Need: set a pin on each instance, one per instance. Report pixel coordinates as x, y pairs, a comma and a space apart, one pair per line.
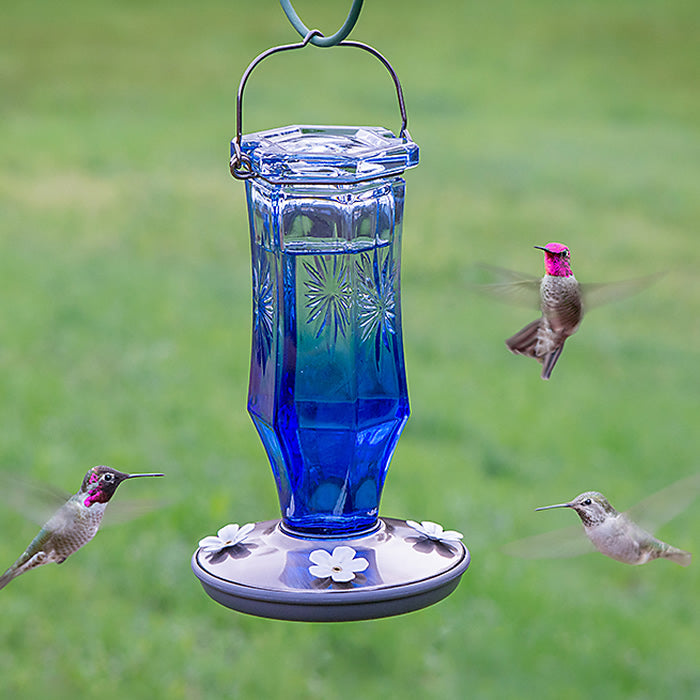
263, 309
376, 298
329, 295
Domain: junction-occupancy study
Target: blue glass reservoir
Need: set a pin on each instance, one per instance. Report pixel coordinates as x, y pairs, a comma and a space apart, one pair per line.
327, 390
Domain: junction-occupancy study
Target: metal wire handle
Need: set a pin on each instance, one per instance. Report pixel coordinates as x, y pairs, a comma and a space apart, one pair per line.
240, 164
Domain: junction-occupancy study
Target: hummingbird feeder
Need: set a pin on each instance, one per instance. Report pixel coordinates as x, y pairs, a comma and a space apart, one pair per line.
327, 389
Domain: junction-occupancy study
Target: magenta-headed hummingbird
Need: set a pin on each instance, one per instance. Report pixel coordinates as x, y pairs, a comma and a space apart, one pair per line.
560, 298
74, 524
562, 310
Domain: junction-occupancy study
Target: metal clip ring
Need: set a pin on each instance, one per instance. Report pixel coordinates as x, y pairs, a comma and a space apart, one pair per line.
240, 165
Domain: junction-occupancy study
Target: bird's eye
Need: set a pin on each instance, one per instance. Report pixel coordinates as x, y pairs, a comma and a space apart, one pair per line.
587, 502
564, 253
108, 477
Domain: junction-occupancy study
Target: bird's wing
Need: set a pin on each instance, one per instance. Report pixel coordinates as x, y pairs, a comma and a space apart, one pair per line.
567, 542
38, 502
599, 293
506, 285
659, 508
33, 500
125, 510
64, 516
524, 290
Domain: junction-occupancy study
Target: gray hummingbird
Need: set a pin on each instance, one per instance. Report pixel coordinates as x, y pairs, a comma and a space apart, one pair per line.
562, 311
74, 524
616, 536
625, 537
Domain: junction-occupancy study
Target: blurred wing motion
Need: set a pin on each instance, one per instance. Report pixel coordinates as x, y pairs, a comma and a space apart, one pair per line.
524, 290
38, 502
599, 293
650, 514
35, 501
507, 286
125, 510
664, 505
566, 542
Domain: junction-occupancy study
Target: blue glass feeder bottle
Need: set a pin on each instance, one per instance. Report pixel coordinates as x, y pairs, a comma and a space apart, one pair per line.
327, 389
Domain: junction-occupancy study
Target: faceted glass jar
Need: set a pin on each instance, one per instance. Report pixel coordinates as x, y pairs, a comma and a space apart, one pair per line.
327, 390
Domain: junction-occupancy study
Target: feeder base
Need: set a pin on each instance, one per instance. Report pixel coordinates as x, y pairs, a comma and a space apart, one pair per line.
270, 574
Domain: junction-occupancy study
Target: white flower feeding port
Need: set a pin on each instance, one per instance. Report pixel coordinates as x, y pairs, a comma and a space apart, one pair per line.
327, 390
433, 531
340, 565
228, 536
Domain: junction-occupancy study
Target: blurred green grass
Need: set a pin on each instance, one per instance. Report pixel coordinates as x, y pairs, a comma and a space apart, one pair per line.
125, 326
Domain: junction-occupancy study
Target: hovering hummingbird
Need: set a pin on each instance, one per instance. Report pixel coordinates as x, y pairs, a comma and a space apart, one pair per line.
562, 310
625, 537
74, 524
561, 299
616, 536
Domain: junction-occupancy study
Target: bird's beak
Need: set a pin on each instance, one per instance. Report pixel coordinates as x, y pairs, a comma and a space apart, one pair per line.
558, 505
540, 247
133, 476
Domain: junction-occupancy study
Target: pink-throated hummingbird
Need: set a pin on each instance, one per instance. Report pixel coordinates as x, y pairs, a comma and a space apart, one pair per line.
561, 299
74, 524
562, 311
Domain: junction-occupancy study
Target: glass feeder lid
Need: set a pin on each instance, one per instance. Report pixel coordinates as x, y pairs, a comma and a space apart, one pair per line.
328, 154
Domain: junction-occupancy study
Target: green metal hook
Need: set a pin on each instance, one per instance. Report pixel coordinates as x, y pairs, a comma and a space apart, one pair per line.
319, 39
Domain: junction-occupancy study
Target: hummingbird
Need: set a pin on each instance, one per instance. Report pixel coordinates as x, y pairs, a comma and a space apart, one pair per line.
561, 303
616, 535
74, 524
623, 536
560, 298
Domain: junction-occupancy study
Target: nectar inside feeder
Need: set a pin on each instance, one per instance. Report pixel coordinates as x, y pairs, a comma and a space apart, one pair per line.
327, 390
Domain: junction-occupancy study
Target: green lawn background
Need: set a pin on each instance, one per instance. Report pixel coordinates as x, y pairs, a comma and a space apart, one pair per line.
125, 335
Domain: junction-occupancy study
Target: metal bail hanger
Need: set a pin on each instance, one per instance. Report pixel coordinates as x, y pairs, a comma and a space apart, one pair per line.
240, 164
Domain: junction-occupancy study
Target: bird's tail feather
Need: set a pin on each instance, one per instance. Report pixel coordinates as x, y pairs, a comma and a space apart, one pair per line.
551, 360
26, 562
525, 340
7, 576
680, 556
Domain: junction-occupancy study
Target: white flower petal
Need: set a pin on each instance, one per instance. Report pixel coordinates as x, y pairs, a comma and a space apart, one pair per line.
433, 530
320, 571
321, 557
210, 543
422, 528
228, 532
359, 564
243, 532
342, 576
343, 555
